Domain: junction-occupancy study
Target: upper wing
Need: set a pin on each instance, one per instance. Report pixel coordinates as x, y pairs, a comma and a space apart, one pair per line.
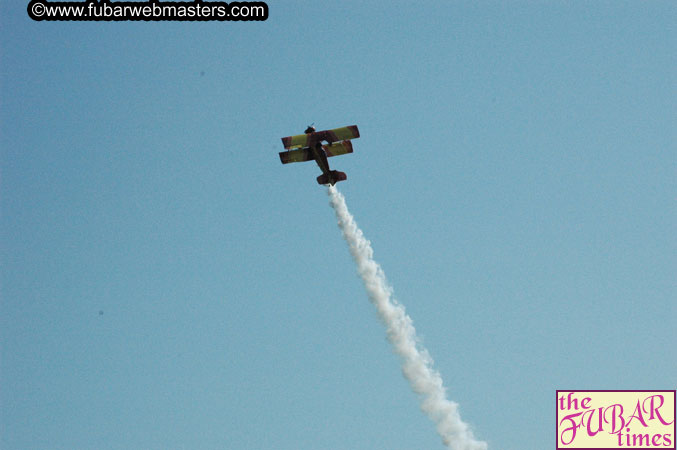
338, 148
339, 134
299, 155
335, 135
300, 140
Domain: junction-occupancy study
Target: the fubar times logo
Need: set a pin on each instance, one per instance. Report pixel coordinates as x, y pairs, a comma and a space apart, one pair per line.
612, 420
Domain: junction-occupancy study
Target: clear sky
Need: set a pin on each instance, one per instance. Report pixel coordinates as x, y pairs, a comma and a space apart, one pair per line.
168, 284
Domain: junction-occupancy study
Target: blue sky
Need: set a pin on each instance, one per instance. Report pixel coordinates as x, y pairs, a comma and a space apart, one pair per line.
515, 175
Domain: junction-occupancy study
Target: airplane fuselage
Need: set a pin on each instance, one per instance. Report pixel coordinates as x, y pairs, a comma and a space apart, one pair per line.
321, 158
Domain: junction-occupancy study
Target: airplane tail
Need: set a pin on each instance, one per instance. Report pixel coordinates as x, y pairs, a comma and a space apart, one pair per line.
335, 177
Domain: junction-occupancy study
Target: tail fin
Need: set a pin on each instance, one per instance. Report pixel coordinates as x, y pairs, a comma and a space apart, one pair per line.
335, 177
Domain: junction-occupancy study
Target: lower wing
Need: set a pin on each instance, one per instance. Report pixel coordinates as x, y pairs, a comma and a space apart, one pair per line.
299, 155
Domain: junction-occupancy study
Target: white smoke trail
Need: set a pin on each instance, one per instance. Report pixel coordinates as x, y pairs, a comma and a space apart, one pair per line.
416, 362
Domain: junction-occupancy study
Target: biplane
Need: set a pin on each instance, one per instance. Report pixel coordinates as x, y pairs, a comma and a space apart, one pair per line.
308, 146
